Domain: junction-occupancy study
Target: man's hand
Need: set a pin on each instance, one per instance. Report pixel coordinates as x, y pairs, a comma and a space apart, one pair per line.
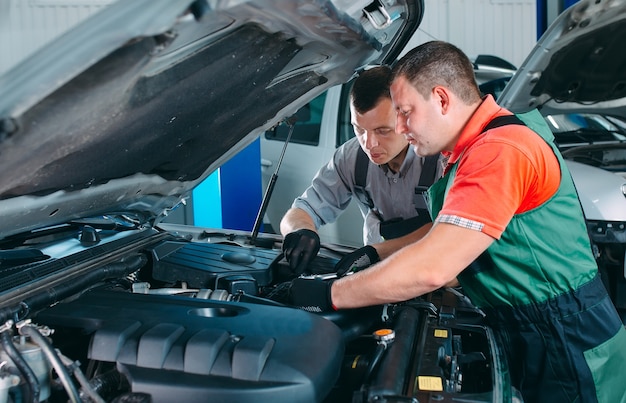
311, 295
300, 248
357, 260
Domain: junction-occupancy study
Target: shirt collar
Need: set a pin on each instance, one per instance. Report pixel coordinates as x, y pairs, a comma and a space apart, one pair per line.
487, 110
409, 158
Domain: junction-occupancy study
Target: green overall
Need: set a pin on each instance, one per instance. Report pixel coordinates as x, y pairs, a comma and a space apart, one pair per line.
564, 339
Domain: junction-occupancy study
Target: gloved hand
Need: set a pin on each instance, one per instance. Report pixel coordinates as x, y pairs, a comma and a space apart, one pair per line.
357, 260
300, 248
311, 295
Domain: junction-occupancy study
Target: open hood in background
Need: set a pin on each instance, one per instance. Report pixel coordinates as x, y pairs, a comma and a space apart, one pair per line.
579, 64
143, 100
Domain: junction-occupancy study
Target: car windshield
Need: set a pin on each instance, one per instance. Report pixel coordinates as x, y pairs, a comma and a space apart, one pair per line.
574, 129
591, 139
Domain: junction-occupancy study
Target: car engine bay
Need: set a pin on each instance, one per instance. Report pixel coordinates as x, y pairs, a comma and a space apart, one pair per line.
144, 315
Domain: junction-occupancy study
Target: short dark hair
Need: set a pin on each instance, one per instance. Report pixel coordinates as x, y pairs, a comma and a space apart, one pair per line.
439, 63
370, 87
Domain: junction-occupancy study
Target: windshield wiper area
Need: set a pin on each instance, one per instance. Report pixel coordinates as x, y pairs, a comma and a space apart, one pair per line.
588, 136
112, 222
79, 227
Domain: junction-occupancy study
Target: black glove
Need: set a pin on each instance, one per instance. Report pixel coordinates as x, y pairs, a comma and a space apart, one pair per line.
311, 295
300, 248
357, 260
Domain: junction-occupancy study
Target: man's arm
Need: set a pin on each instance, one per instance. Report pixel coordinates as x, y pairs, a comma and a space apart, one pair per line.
388, 247
295, 219
371, 254
421, 267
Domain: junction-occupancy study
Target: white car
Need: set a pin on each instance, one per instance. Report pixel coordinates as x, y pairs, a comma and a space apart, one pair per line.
574, 70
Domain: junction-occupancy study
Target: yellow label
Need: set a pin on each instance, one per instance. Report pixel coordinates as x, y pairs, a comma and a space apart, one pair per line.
431, 383
443, 333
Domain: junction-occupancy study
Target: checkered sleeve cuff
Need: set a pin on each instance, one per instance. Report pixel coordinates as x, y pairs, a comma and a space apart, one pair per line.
460, 221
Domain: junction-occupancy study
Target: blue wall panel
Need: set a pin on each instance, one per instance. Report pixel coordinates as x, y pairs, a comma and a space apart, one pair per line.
231, 196
241, 187
207, 202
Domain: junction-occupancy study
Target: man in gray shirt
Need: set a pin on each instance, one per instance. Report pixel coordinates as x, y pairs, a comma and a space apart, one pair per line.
376, 168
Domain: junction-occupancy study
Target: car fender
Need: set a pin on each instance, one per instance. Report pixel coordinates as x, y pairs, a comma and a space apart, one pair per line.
600, 192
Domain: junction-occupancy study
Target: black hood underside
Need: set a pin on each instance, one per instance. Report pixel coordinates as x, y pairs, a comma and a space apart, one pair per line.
111, 124
590, 70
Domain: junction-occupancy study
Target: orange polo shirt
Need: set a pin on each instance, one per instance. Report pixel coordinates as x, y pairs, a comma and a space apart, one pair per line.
504, 171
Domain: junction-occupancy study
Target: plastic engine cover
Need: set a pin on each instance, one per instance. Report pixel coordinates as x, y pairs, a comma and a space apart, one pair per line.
182, 349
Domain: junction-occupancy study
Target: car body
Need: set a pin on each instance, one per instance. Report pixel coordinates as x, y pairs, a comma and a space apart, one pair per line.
106, 130
596, 161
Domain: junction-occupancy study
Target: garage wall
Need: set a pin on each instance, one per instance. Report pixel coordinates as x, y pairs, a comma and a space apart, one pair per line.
26, 24
504, 28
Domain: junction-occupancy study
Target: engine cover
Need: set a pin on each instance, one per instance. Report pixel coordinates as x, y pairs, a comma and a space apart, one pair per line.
183, 349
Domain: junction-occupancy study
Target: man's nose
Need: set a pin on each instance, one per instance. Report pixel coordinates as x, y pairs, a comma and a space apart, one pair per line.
370, 140
401, 126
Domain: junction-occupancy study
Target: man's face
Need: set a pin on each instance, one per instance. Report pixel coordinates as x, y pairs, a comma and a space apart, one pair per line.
375, 130
418, 118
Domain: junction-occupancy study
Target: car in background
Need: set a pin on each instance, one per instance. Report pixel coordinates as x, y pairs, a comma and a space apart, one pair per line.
492, 73
585, 110
312, 144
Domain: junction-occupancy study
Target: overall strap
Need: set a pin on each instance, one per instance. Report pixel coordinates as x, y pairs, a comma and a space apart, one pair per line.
503, 121
427, 177
361, 166
429, 170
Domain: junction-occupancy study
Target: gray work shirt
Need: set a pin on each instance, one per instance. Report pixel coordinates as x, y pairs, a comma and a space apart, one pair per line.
333, 187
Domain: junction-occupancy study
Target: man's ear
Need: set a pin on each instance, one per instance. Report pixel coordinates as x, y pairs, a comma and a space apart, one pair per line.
442, 96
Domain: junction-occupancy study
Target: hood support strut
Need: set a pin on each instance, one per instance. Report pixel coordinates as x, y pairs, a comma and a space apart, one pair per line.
291, 121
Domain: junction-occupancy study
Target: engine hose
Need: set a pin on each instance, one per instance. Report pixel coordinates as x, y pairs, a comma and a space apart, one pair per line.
110, 384
82, 380
55, 294
378, 354
48, 350
113, 270
22, 365
10, 313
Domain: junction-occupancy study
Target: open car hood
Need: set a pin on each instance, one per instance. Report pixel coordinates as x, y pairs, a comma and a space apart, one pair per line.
577, 65
143, 100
